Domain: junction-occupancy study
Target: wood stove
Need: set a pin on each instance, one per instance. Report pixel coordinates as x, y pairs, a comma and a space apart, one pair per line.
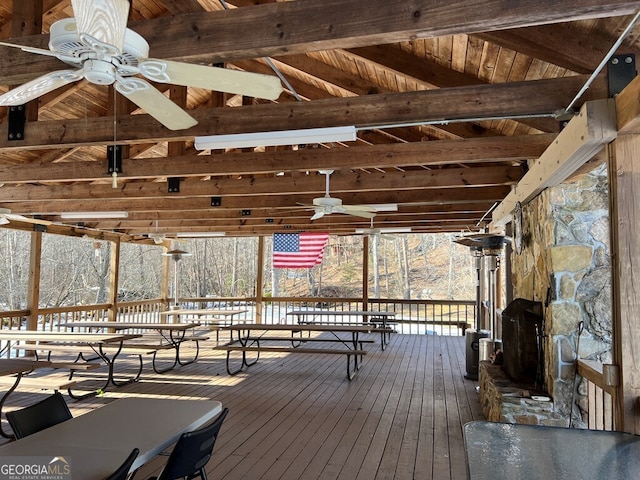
522, 341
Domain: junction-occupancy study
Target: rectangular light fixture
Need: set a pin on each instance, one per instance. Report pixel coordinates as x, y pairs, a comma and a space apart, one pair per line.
199, 234
384, 230
283, 137
92, 215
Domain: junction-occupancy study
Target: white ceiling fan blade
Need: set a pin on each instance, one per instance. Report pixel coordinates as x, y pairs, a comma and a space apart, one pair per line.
155, 103
39, 86
319, 214
357, 211
104, 20
212, 78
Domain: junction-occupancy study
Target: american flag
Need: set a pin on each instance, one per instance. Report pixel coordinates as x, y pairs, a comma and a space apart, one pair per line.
298, 250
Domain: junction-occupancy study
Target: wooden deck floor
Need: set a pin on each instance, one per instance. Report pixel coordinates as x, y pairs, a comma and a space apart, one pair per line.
298, 417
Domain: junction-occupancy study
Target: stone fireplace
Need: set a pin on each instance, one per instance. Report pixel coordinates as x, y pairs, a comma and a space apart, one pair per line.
564, 265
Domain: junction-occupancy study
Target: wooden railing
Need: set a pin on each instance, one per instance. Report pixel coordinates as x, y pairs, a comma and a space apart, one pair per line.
49, 319
14, 319
441, 317
601, 394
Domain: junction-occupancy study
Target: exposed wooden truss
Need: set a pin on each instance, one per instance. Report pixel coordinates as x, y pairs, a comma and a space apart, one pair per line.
452, 102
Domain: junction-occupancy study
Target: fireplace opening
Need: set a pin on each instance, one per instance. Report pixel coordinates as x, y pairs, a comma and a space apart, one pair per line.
522, 342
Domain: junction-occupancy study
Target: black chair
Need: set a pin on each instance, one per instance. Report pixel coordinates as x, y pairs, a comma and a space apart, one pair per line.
122, 473
192, 452
44, 414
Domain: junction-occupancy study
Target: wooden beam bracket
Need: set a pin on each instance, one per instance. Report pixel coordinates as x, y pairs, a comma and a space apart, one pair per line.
17, 119
622, 69
216, 201
114, 159
173, 184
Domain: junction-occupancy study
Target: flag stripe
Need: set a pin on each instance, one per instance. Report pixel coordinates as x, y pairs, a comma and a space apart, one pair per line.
298, 250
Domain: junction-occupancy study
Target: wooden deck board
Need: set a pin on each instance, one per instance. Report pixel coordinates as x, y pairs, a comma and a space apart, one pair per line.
298, 417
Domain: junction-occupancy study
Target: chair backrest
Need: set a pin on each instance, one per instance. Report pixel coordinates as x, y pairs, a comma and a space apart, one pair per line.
123, 470
193, 451
44, 414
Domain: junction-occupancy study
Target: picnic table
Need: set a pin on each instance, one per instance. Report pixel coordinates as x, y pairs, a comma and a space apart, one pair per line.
347, 317
252, 338
172, 335
17, 367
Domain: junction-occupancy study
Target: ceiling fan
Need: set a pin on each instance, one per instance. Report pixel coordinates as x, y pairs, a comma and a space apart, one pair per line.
327, 205
104, 51
384, 232
157, 236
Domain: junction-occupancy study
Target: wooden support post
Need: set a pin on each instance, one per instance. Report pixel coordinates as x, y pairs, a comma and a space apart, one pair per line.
114, 273
33, 294
164, 279
260, 280
365, 272
625, 251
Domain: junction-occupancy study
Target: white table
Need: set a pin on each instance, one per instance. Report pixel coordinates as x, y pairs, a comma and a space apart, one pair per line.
96, 443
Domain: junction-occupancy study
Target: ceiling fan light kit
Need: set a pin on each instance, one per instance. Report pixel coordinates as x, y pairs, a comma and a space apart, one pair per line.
274, 138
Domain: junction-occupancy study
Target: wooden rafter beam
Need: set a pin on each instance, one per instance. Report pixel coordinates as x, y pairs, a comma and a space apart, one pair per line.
277, 185
152, 205
539, 97
428, 154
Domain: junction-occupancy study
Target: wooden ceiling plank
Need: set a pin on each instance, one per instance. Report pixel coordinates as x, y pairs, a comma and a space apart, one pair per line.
431, 73
566, 45
297, 27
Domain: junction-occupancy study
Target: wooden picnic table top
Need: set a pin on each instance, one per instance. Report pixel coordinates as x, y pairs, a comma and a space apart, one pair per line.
305, 327
127, 325
9, 366
203, 312
342, 313
76, 337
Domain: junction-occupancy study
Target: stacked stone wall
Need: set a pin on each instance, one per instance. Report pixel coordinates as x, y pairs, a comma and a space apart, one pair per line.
565, 264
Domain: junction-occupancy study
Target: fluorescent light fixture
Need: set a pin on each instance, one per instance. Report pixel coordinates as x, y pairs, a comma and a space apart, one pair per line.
90, 215
270, 139
199, 234
384, 230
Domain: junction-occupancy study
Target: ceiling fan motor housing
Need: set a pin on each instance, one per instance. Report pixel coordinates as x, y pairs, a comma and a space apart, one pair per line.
327, 202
